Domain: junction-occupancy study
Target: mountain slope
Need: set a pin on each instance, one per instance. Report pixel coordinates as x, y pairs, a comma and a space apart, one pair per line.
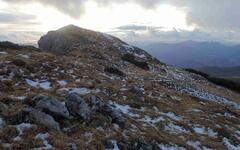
107, 94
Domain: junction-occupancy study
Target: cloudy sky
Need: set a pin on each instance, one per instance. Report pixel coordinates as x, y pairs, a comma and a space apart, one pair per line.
24, 21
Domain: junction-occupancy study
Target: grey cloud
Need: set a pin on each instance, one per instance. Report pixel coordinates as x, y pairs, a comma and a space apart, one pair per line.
10, 18
30, 37
75, 8
137, 27
175, 35
207, 14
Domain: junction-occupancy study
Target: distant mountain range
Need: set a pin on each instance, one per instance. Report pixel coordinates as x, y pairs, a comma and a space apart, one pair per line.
191, 54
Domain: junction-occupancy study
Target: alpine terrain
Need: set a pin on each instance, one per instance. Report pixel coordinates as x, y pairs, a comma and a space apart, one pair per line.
89, 90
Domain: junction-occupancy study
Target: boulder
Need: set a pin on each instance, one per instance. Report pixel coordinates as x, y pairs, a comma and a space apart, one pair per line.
98, 105
138, 91
78, 107
143, 145
3, 107
44, 119
52, 106
2, 123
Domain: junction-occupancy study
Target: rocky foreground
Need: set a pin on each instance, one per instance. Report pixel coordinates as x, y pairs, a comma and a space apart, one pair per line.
89, 90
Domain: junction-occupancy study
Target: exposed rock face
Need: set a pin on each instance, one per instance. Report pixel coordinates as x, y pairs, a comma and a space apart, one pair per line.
70, 37
52, 106
78, 107
104, 108
44, 119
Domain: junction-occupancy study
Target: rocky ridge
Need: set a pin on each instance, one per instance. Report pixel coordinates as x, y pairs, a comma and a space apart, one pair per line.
89, 90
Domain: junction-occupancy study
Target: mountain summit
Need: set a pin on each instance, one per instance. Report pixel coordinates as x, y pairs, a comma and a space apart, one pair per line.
72, 37
89, 90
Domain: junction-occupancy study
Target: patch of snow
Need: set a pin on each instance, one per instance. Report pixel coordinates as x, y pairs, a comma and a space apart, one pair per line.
178, 75
175, 128
204, 95
194, 110
19, 97
62, 82
199, 130
21, 128
81, 91
229, 145
150, 120
173, 116
39, 84
3, 53
24, 56
170, 147
196, 145
203, 130
139, 55
43, 137
229, 115
45, 85
126, 109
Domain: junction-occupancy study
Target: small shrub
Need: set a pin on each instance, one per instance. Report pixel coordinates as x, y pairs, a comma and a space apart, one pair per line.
6, 44
197, 72
131, 59
114, 70
10, 45
19, 62
6, 86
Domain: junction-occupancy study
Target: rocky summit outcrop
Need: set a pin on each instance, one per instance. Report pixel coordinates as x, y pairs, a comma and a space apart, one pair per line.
89, 90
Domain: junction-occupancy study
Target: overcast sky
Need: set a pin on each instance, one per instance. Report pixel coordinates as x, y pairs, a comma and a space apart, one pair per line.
24, 21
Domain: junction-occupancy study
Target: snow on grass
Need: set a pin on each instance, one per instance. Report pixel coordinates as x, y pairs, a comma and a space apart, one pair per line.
149, 120
175, 129
39, 84
170, 147
126, 109
24, 56
62, 82
139, 55
3, 53
19, 97
194, 110
173, 116
203, 130
228, 115
204, 95
80, 90
229, 145
21, 128
195, 144
177, 75
43, 137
